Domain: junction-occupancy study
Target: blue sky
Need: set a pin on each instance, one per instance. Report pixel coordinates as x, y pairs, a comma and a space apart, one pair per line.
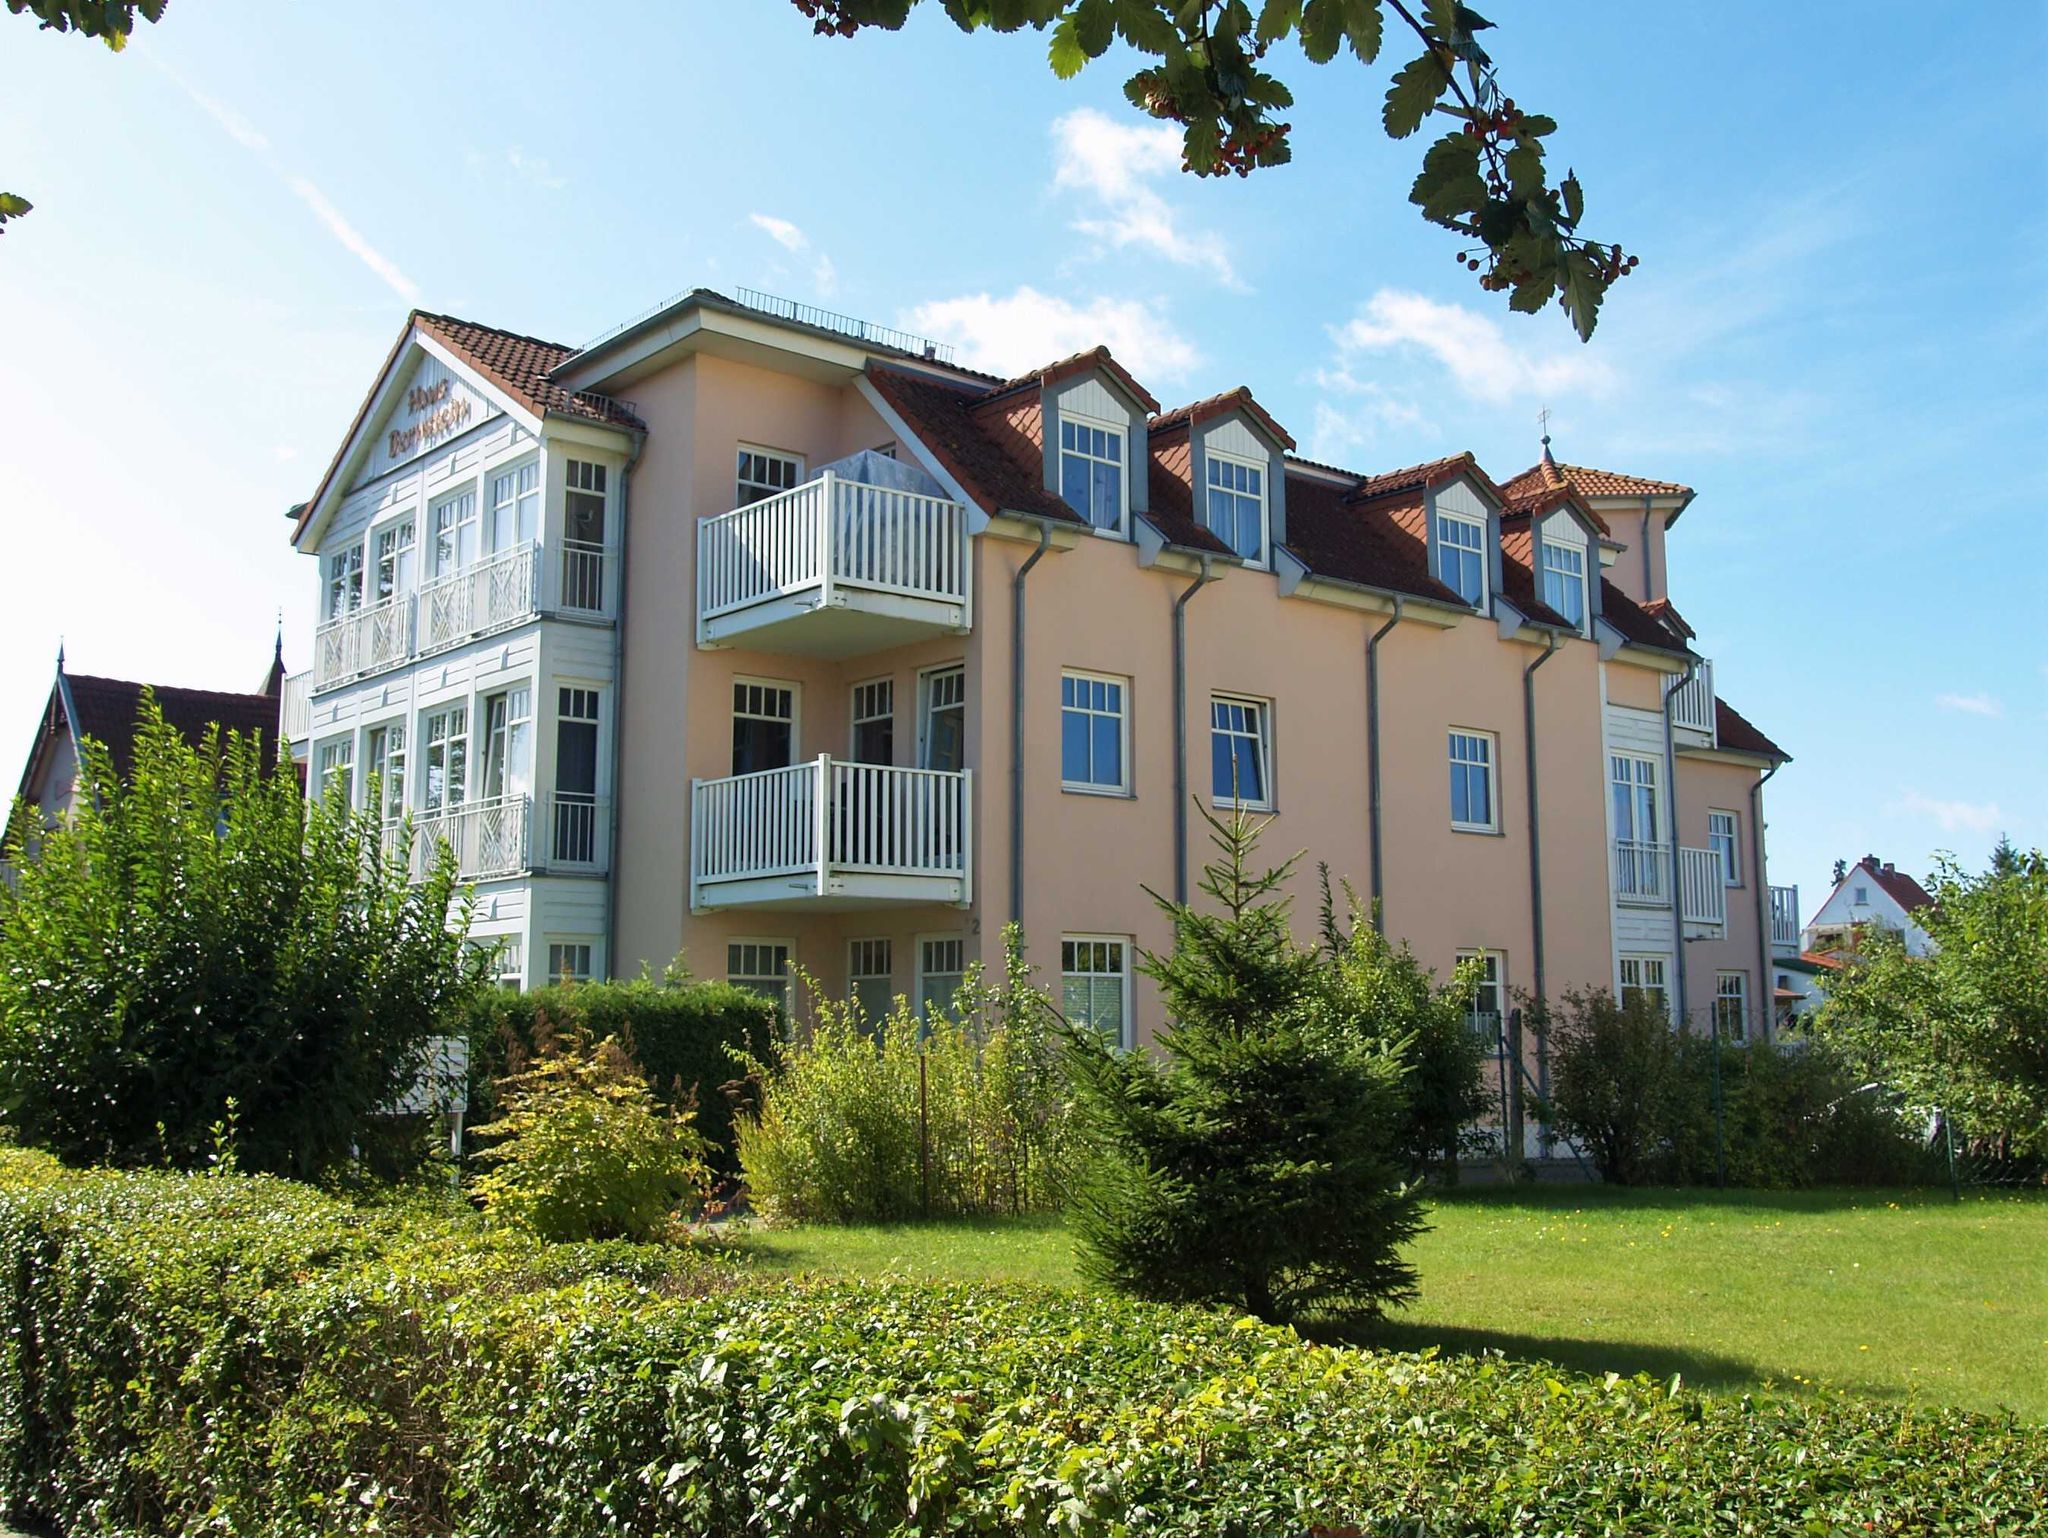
1836, 333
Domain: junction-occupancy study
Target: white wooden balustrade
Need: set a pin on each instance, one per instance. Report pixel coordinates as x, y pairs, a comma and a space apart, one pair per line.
1642, 871
573, 832
489, 838
831, 544
828, 832
1692, 707
362, 642
295, 709
582, 576
1785, 934
1702, 888
490, 595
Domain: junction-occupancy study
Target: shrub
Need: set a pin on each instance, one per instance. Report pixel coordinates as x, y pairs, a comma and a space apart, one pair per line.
961, 1115
227, 1354
682, 1032
581, 1151
1258, 1163
198, 934
1617, 1082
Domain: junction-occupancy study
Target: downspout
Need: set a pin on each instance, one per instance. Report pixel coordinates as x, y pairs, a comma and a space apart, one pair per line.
1536, 868
611, 880
1767, 993
1692, 667
1017, 723
1372, 760
1647, 511
1180, 729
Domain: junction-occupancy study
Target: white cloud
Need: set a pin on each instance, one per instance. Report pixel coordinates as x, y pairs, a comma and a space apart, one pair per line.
1362, 422
1476, 351
1951, 816
1979, 704
534, 169
824, 276
1014, 332
246, 134
1114, 164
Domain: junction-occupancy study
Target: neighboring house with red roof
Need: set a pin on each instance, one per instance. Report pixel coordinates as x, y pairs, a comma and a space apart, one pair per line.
1872, 892
775, 638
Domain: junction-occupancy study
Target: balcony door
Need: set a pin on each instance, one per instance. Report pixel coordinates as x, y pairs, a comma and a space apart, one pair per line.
942, 731
763, 726
1638, 825
576, 777
583, 536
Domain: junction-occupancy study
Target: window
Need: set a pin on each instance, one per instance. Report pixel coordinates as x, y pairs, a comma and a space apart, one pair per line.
1461, 557
1093, 733
345, 582
765, 473
1486, 1010
1731, 1006
508, 744
1721, 835
870, 980
763, 726
1095, 985
942, 737
455, 533
1237, 505
1240, 752
569, 961
1862, 897
576, 776
447, 778
874, 722
515, 507
1564, 580
1634, 784
394, 560
333, 767
1472, 798
1092, 471
761, 966
941, 968
384, 761
508, 962
1643, 977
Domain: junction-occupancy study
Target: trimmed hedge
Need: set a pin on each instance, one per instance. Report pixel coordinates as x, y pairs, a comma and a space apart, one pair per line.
679, 1033
224, 1354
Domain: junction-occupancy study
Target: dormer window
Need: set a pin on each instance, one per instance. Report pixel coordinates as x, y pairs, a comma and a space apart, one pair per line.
1236, 510
1461, 556
1092, 462
1564, 580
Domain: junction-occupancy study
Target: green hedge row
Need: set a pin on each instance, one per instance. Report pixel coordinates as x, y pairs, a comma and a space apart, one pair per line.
680, 1035
226, 1355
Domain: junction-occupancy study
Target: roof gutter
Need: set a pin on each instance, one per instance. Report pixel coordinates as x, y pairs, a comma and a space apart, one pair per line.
1372, 759
611, 880
1180, 727
1765, 993
1017, 720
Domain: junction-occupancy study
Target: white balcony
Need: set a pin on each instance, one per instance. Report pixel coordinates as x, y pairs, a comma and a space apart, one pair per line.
295, 711
1785, 933
1642, 872
367, 641
1702, 892
582, 573
831, 836
573, 832
833, 568
1692, 711
489, 838
493, 594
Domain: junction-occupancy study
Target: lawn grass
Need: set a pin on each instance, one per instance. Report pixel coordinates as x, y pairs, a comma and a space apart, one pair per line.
1892, 1294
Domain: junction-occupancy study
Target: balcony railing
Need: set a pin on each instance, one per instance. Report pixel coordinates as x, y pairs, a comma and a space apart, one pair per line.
1702, 887
831, 831
1692, 707
832, 543
366, 641
1642, 871
488, 838
479, 599
1785, 918
575, 832
583, 576
295, 709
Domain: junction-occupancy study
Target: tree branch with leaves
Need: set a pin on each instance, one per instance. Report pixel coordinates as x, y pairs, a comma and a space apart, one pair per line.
1485, 179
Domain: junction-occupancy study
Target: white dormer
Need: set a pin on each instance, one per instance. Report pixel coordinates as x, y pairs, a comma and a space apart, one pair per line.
1238, 474
1095, 448
1464, 542
1566, 567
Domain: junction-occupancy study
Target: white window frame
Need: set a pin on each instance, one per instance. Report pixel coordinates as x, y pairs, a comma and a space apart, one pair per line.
1739, 996
1121, 976
1490, 742
331, 756
1644, 775
563, 947
1640, 964
393, 808
787, 686
1731, 855
1440, 520
1497, 985
861, 963
742, 484
926, 680
508, 745
1210, 490
468, 492
1121, 431
1121, 786
508, 960
752, 980
1576, 549
1263, 709
428, 716
516, 472
403, 530
925, 974
345, 579
860, 712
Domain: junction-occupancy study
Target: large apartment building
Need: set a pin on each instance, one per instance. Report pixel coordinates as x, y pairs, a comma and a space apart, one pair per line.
767, 637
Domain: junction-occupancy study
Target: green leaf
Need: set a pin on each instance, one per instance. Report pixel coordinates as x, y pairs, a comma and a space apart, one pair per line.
1322, 29
1278, 18
1145, 27
1443, 19
1362, 26
1530, 297
1536, 125
1581, 291
1065, 53
1094, 27
1574, 199
1416, 88
1525, 169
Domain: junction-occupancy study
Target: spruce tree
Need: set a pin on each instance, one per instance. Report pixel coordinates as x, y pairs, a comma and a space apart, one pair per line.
1254, 1160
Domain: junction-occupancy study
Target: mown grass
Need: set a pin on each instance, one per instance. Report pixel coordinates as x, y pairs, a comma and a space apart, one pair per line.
1889, 1294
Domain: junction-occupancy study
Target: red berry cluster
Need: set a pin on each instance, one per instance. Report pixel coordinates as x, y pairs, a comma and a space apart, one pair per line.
828, 18
1240, 151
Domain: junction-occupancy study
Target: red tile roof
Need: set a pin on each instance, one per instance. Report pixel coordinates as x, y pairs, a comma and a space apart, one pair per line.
1535, 501
1902, 888
1637, 627
1239, 399
1733, 732
1663, 609
1420, 477
1518, 579
1377, 544
1081, 363
109, 710
1589, 482
967, 442
1172, 504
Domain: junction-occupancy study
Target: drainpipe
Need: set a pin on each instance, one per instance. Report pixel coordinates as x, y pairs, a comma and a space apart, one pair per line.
1017, 723
1677, 892
1766, 992
1647, 514
1180, 729
1372, 760
611, 880
1535, 880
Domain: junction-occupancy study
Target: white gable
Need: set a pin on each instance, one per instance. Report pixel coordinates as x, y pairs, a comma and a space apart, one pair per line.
437, 404
1460, 496
1091, 398
1231, 436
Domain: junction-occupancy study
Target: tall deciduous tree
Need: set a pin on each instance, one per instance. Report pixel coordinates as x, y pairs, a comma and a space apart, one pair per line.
1257, 1162
1484, 178
108, 20
198, 944
1964, 1028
